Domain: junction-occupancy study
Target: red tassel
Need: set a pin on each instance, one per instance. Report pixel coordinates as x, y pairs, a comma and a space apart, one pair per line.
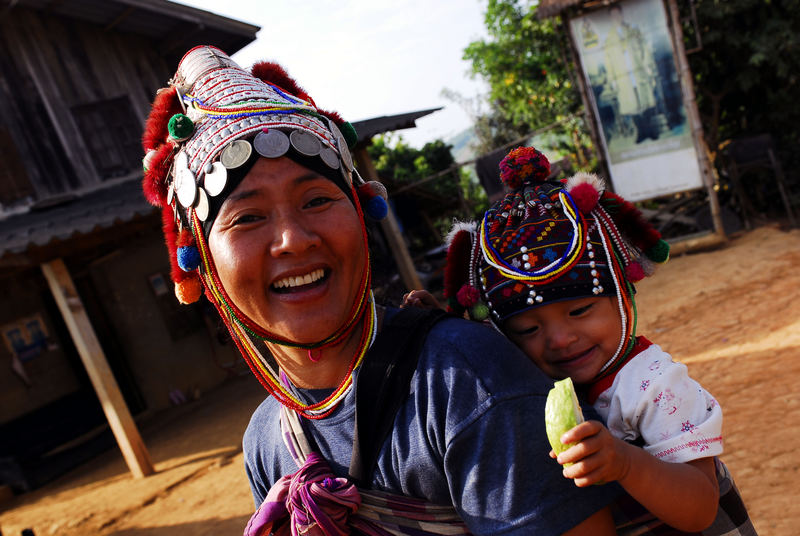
274, 74
630, 222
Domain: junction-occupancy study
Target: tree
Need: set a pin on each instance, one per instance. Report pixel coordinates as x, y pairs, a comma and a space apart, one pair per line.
746, 78
426, 209
526, 63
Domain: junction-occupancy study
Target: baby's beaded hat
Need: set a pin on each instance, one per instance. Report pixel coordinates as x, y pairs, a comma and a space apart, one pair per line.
548, 241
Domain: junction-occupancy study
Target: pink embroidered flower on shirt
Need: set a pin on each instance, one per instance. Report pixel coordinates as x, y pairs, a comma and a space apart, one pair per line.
686, 426
645, 384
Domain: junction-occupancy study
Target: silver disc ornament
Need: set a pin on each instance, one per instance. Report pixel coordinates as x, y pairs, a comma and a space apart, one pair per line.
201, 209
236, 154
271, 143
341, 145
305, 143
330, 157
215, 178
185, 187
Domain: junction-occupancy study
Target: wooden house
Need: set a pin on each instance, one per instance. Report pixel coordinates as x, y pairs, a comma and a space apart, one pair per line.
83, 268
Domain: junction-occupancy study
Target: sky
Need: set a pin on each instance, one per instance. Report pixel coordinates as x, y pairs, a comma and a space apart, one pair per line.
368, 58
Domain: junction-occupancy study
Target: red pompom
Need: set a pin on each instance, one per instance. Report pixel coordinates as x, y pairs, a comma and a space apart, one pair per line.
154, 182
524, 165
272, 73
468, 296
585, 196
634, 272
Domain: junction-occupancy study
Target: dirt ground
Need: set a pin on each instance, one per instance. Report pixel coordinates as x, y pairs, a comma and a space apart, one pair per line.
732, 315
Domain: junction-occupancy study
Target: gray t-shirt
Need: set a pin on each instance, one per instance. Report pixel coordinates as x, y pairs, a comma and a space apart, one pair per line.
471, 434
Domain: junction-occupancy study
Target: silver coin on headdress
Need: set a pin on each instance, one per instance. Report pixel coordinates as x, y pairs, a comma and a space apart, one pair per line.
330, 157
201, 209
183, 182
341, 145
305, 143
271, 143
236, 154
215, 178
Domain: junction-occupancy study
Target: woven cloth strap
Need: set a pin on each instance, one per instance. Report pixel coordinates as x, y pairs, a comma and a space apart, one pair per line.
314, 502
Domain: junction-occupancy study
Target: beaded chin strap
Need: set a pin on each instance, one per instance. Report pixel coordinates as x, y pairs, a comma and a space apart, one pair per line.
246, 334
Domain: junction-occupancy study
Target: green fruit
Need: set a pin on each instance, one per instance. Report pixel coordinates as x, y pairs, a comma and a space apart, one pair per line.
562, 412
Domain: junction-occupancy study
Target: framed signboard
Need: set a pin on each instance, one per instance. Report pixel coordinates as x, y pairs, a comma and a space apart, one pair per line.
628, 64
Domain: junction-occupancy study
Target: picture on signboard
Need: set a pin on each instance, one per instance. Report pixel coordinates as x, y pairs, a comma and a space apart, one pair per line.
629, 68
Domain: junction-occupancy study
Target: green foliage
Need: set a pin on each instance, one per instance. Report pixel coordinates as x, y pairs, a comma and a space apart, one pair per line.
746, 78
526, 63
454, 194
399, 164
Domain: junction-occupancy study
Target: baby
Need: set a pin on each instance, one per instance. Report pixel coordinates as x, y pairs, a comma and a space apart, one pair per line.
552, 266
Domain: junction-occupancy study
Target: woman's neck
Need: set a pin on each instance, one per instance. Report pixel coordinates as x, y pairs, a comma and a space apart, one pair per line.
329, 365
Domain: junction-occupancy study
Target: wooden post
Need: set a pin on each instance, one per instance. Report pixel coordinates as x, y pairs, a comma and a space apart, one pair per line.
687, 88
83, 335
405, 265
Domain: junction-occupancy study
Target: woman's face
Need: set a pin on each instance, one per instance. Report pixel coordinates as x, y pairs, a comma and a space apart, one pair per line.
288, 246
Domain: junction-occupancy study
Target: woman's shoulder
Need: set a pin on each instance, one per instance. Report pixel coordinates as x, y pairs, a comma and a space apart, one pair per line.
464, 351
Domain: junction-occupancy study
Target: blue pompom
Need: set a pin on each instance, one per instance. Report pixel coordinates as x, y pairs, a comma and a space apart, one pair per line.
377, 208
188, 258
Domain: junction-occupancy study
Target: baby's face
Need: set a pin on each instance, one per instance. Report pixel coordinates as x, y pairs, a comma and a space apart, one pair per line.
572, 338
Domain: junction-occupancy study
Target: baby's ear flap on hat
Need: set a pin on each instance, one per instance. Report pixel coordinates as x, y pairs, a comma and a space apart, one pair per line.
459, 244
635, 228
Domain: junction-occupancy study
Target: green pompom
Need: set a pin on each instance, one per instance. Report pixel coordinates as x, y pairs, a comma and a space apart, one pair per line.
180, 127
659, 252
349, 133
479, 312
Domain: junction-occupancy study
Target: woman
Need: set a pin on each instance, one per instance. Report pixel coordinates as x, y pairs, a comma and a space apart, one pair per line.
262, 211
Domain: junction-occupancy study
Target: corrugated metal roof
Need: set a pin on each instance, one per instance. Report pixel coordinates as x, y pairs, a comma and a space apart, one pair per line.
368, 128
79, 216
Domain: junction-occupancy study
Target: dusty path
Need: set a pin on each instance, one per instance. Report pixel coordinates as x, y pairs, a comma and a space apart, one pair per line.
732, 315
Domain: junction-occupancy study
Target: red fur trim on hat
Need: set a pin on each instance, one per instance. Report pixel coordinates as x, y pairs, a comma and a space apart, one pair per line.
165, 105
333, 116
154, 182
630, 222
456, 272
272, 73
185, 238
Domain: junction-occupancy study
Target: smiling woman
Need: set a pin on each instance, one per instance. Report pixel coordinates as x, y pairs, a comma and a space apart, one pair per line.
262, 212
